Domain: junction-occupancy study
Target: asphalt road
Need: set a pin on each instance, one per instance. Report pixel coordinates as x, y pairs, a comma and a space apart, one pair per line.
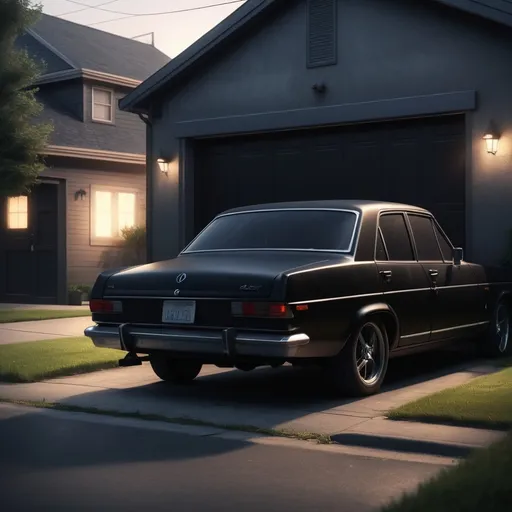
54, 461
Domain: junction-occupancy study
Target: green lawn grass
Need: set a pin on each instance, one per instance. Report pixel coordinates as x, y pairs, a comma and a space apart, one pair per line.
481, 483
483, 402
26, 315
40, 360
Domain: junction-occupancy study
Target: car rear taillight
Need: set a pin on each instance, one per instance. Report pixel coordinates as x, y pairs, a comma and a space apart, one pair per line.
261, 310
105, 306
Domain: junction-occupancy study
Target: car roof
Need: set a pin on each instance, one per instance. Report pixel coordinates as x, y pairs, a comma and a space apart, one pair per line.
362, 206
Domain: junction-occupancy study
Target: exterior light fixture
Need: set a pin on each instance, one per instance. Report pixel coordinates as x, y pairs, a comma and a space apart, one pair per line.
319, 88
163, 165
491, 138
80, 194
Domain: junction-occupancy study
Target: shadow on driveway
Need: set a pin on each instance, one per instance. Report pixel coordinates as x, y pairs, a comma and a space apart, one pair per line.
306, 388
270, 398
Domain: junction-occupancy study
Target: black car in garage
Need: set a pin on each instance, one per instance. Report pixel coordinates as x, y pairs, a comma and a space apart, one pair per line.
342, 284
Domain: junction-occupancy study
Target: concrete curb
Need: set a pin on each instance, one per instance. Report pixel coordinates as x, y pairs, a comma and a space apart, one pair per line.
244, 437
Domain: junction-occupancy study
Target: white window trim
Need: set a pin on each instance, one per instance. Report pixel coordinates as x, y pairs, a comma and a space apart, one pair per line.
112, 106
114, 240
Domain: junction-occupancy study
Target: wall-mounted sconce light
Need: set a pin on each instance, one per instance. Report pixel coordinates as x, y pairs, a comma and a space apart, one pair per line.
163, 165
320, 88
491, 138
80, 194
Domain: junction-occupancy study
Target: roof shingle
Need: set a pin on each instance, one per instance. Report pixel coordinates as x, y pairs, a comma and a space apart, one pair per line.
89, 48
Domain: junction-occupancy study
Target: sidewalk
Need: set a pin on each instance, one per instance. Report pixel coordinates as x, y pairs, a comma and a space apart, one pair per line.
19, 332
53, 307
219, 398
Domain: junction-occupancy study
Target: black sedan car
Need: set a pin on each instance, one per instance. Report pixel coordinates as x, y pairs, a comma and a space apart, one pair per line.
342, 284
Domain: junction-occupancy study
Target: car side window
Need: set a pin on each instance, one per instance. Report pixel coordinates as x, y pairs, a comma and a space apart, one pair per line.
425, 238
396, 237
446, 248
380, 248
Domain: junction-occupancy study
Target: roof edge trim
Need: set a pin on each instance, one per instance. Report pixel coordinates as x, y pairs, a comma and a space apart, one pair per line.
70, 74
190, 55
95, 154
50, 47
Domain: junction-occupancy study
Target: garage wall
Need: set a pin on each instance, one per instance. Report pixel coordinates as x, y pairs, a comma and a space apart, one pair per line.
386, 49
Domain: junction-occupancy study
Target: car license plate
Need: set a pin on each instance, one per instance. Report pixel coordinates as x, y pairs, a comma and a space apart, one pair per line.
179, 312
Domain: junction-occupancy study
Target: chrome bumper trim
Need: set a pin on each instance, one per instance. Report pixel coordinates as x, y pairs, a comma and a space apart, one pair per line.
227, 342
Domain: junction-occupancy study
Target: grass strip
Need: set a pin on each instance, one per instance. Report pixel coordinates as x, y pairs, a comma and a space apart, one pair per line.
480, 483
28, 315
34, 361
484, 402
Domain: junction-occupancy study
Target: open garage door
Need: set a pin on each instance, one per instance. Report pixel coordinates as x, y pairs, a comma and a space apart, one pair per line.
420, 162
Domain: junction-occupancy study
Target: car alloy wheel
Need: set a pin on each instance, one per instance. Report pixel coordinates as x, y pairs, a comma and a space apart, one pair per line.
370, 354
503, 326
359, 369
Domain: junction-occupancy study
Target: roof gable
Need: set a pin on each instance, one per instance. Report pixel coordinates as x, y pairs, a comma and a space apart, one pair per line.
83, 47
39, 51
253, 11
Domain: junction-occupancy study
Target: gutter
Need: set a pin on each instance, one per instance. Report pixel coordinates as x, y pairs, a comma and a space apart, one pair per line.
100, 76
94, 154
149, 187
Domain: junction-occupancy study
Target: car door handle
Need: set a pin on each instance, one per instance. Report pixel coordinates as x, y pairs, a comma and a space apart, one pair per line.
386, 274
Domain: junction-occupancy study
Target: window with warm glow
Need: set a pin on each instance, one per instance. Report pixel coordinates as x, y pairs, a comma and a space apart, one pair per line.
17, 212
103, 212
102, 105
126, 210
111, 211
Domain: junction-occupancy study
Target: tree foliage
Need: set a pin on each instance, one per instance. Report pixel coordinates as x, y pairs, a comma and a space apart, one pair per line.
22, 138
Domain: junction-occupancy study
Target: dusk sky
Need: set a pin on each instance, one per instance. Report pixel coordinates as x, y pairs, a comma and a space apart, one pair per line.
173, 32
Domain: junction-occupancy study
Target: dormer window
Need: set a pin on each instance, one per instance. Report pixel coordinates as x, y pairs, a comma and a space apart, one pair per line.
102, 105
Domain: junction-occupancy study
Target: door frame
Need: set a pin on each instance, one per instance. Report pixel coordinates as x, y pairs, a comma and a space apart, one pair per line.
61, 246
62, 267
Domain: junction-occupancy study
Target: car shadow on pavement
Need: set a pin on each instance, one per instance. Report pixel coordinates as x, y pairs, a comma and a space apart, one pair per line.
306, 388
268, 398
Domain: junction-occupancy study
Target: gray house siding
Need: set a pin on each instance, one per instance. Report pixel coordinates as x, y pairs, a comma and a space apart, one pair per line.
64, 97
384, 52
126, 132
85, 260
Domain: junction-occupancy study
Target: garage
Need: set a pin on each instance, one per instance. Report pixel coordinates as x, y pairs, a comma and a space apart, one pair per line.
417, 161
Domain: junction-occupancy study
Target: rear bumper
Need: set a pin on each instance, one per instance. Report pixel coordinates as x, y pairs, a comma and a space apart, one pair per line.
224, 343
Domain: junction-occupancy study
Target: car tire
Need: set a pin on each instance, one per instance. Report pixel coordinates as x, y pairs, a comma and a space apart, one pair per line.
176, 371
497, 342
367, 350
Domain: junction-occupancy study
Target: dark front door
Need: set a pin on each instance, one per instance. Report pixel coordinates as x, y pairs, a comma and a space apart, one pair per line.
28, 246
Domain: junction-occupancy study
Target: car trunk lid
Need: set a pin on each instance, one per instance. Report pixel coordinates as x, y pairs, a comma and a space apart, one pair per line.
236, 274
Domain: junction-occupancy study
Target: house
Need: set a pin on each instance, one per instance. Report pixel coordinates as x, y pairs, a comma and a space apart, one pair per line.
322, 99
64, 233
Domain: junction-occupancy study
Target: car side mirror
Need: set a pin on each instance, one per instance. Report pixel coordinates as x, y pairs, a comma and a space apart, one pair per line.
458, 255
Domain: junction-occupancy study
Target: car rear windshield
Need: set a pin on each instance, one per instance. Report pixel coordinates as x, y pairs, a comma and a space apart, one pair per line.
327, 230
